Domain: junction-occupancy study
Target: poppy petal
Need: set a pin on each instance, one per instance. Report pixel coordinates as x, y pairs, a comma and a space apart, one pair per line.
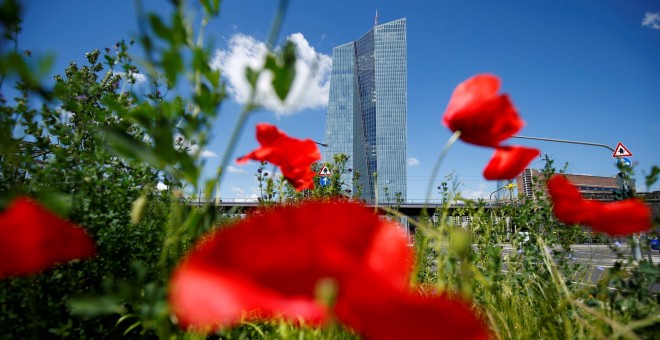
568, 205
383, 312
390, 256
479, 88
293, 156
33, 239
621, 218
509, 161
205, 299
483, 117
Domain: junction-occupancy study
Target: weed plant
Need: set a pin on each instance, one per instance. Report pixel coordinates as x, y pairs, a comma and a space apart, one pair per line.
94, 151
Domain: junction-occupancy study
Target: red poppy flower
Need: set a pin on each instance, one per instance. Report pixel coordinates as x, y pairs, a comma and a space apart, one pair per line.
483, 116
509, 161
269, 265
293, 156
615, 218
33, 239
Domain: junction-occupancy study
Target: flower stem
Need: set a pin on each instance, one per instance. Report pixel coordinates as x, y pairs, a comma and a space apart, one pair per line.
276, 25
376, 192
436, 167
198, 73
251, 104
236, 133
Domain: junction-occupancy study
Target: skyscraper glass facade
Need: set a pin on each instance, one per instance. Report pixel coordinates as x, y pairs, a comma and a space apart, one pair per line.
367, 109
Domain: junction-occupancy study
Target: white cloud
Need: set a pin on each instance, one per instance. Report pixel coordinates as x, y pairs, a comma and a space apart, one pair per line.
652, 20
413, 161
209, 154
245, 199
241, 195
65, 115
192, 148
310, 88
477, 192
474, 194
139, 77
235, 170
161, 186
238, 191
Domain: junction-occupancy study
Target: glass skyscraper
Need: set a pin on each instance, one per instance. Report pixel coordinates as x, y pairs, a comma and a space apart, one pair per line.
367, 109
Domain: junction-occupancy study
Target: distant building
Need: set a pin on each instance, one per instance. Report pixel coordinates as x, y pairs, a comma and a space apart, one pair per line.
367, 109
526, 183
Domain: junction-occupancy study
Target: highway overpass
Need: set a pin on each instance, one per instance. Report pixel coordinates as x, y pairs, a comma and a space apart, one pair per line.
412, 207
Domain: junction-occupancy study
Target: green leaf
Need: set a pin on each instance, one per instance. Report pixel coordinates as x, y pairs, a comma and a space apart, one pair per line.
283, 67
189, 171
56, 202
200, 62
208, 101
211, 6
252, 76
124, 317
173, 64
180, 30
143, 116
159, 27
210, 186
97, 305
124, 145
131, 327
653, 176
213, 76
164, 142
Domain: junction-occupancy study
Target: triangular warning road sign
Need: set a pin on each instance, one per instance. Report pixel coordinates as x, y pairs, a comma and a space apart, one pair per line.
325, 171
621, 151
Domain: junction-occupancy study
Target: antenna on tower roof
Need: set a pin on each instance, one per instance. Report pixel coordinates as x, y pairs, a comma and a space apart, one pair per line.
376, 18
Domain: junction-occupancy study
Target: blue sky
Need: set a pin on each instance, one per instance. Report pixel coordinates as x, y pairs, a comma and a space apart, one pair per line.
584, 70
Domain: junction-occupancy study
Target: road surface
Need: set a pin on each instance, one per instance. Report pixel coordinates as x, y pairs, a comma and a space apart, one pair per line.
595, 259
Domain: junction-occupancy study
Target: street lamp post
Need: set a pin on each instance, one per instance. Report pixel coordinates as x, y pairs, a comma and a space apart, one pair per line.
565, 141
490, 198
509, 186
